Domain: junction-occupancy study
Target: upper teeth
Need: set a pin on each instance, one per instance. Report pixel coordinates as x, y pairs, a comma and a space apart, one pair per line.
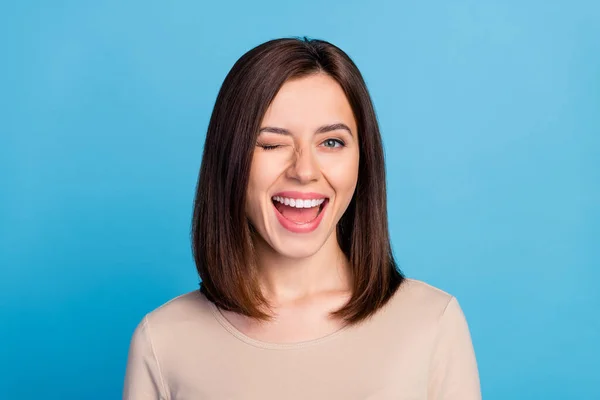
299, 203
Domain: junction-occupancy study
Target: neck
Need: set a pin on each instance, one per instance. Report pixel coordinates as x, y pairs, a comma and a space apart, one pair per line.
285, 279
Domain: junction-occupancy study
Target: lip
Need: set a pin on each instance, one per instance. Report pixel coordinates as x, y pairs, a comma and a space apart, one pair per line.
301, 228
301, 195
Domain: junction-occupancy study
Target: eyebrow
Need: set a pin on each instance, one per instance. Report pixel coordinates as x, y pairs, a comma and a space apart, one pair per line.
321, 129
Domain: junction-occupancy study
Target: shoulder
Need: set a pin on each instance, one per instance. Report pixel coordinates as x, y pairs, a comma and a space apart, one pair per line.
179, 317
422, 295
411, 320
181, 308
417, 314
169, 341
418, 303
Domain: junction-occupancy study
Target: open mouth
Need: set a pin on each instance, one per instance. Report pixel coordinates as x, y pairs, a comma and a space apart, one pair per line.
299, 211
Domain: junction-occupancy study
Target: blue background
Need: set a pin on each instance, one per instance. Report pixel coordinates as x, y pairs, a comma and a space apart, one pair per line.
490, 117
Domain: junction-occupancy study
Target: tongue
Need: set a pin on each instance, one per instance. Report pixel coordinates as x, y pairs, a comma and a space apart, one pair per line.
297, 215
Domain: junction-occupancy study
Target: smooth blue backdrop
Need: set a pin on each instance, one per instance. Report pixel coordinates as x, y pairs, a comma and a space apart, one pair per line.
490, 117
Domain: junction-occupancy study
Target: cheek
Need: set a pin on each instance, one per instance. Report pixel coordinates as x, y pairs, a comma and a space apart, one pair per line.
342, 173
262, 176
257, 172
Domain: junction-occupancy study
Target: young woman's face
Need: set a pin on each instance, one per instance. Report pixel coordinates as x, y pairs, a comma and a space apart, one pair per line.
305, 166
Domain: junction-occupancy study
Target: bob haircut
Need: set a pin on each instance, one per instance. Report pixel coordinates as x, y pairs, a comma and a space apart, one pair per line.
221, 233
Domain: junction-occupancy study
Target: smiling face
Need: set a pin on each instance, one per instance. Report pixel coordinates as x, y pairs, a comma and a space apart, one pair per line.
305, 166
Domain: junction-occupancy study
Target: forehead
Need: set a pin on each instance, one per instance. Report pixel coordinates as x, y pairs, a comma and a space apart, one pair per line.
309, 102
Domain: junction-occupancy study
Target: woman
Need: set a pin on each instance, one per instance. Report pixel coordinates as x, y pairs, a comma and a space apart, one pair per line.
300, 296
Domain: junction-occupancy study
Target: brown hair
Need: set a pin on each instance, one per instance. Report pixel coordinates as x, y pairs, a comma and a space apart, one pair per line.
221, 235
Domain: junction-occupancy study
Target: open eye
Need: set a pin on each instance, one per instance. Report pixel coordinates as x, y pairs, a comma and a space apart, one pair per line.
333, 143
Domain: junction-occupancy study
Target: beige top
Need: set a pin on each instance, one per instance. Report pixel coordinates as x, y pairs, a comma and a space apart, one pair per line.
418, 346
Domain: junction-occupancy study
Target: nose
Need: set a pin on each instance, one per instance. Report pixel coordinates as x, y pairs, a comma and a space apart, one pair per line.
304, 166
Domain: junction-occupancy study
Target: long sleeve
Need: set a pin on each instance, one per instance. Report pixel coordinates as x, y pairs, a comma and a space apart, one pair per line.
453, 369
143, 379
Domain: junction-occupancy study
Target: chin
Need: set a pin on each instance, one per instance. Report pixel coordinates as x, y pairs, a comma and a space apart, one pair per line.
299, 248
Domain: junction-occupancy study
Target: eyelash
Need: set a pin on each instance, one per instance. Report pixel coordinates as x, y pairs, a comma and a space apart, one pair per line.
272, 147
268, 147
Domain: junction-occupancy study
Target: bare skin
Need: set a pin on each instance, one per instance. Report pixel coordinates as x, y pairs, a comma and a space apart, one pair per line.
304, 276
